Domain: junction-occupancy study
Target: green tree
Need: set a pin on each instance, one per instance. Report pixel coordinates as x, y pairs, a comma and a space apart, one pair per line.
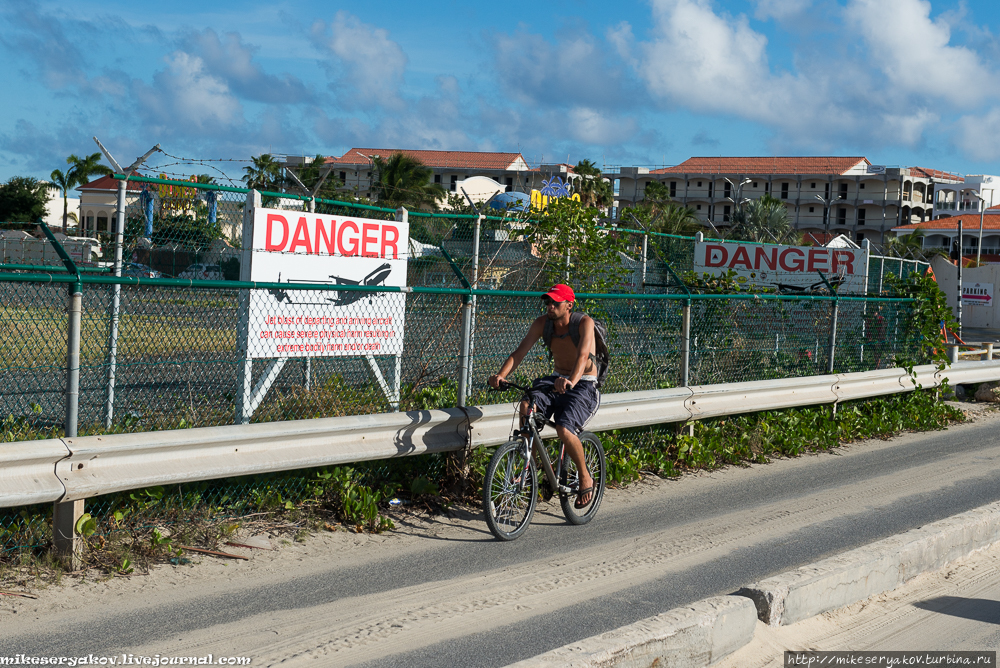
574, 250
764, 219
23, 199
912, 246
400, 180
83, 169
310, 174
594, 190
657, 196
263, 174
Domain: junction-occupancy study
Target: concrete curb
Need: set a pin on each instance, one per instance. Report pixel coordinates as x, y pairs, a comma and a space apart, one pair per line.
873, 569
688, 637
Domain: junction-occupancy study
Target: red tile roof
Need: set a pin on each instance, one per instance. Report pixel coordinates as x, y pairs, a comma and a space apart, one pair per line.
458, 159
109, 183
765, 165
925, 173
991, 221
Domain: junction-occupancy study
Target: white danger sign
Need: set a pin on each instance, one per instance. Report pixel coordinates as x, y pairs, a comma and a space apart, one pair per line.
301, 247
786, 268
977, 294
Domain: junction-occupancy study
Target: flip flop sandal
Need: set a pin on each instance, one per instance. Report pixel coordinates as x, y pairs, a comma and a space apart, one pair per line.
579, 504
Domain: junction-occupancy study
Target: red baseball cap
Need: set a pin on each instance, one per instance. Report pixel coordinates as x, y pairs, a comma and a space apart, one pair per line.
561, 292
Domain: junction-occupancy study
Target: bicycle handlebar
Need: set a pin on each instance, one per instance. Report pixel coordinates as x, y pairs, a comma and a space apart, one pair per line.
507, 385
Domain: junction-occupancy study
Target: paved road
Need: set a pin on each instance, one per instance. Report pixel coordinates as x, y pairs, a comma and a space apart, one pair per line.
451, 596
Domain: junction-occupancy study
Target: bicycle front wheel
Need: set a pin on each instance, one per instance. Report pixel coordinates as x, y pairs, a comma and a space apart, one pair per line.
593, 454
510, 491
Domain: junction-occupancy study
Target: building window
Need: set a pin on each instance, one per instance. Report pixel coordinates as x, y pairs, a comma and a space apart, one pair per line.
711, 188
813, 186
369, 174
699, 184
343, 177
861, 236
826, 191
102, 222
754, 184
843, 191
454, 182
673, 188
812, 209
698, 207
725, 214
861, 186
711, 211
842, 216
861, 216
727, 189
509, 182
437, 178
784, 190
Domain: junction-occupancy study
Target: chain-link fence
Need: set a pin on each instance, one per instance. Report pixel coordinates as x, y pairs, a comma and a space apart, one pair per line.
207, 350
181, 357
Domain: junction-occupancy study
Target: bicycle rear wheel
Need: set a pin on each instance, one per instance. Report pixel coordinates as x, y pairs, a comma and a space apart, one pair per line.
593, 454
510, 491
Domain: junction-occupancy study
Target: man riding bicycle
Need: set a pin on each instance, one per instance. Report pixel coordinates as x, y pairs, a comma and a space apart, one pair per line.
570, 395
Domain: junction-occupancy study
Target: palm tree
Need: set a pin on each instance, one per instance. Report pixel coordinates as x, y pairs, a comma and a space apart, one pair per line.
263, 174
84, 168
80, 172
400, 180
764, 219
678, 219
594, 190
310, 174
65, 183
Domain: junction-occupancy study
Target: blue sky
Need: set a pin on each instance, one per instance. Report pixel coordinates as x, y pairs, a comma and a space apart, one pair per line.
903, 82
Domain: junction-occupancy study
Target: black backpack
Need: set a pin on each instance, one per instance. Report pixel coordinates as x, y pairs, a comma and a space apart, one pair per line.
602, 359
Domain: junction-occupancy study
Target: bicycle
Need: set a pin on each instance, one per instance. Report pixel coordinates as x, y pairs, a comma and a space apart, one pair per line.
510, 490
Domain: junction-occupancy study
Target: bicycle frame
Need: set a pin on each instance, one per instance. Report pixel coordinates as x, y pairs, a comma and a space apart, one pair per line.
535, 439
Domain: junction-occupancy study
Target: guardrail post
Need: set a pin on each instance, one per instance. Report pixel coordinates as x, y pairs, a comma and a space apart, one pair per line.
65, 515
952, 353
989, 351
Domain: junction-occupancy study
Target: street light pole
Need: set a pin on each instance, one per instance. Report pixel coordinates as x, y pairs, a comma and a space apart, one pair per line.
826, 213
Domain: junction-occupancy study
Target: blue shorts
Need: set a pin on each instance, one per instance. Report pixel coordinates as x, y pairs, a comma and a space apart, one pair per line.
572, 410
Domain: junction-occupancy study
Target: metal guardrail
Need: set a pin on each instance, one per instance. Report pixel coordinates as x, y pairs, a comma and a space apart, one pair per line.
78, 468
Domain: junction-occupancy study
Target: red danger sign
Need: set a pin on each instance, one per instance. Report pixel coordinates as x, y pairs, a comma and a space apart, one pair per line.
318, 234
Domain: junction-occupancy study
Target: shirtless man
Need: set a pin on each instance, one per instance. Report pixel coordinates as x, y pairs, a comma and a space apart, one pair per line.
574, 382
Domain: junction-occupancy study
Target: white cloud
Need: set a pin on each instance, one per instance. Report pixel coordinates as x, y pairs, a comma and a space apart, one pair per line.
574, 70
915, 53
706, 62
781, 10
186, 97
364, 60
589, 126
979, 135
232, 61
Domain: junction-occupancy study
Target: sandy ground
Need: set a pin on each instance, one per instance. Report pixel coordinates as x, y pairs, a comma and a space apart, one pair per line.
363, 628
